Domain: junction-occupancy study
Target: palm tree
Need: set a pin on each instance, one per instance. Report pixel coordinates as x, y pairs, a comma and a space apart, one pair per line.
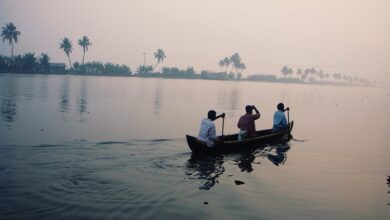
236, 60
144, 69
221, 64
241, 66
290, 71
10, 34
44, 62
84, 43
321, 74
236, 66
227, 62
29, 61
160, 56
67, 46
337, 76
285, 71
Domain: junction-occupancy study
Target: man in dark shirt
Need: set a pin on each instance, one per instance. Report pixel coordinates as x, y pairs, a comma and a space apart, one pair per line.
247, 121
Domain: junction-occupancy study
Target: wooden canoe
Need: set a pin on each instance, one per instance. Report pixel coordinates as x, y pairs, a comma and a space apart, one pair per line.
231, 143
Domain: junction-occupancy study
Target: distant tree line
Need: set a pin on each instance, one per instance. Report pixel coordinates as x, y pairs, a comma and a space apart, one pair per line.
175, 72
30, 63
25, 63
231, 66
99, 68
188, 73
237, 66
312, 75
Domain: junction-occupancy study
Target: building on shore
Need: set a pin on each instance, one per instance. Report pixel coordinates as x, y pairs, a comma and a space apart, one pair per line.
57, 67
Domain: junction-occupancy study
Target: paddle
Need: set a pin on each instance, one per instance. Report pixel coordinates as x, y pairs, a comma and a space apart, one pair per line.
288, 122
288, 115
223, 124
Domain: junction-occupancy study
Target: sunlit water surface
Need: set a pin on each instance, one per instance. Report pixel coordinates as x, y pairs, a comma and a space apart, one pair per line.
76, 147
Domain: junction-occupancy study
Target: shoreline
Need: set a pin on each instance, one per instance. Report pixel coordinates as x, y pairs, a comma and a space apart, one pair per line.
159, 76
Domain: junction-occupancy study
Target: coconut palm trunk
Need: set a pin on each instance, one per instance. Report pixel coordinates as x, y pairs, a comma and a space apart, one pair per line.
10, 34
12, 53
12, 50
83, 55
159, 55
70, 63
67, 46
84, 42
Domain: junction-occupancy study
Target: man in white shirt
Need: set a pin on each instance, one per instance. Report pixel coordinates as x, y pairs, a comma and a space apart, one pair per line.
207, 132
280, 121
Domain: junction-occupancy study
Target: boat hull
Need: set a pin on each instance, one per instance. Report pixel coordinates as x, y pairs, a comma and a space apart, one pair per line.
231, 144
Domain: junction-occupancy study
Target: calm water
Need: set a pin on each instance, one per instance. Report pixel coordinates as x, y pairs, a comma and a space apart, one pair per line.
74, 147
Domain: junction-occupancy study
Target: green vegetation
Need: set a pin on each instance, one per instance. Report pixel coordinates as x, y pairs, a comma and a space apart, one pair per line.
175, 72
29, 63
67, 46
159, 55
237, 66
231, 67
85, 43
26, 63
99, 68
44, 62
315, 76
145, 70
265, 78
10, 34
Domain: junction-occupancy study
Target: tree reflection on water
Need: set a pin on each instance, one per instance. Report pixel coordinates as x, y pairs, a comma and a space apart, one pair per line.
210, 167
8, 109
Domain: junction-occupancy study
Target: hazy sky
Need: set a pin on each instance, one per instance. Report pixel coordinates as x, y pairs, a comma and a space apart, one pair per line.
347, 36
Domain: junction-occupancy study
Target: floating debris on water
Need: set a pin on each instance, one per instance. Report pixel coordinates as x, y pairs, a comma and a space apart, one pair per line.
238, 182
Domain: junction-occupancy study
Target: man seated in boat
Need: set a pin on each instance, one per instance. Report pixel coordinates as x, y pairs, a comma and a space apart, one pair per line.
207, 132
246, 124
280, 121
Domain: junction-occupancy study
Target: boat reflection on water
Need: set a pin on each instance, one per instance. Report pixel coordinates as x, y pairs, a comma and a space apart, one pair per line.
210, 167
388, 184
207, 168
